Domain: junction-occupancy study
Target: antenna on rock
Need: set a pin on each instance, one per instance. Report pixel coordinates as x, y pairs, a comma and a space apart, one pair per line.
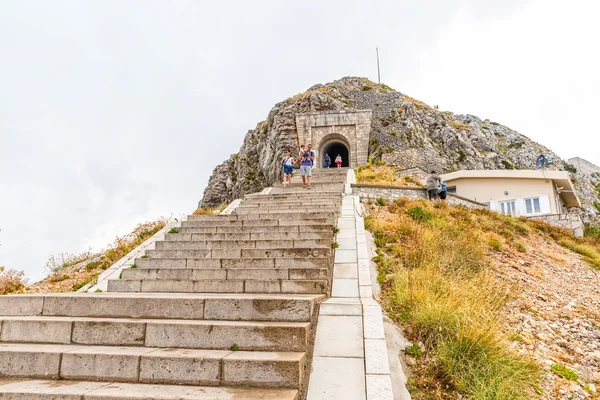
378, 74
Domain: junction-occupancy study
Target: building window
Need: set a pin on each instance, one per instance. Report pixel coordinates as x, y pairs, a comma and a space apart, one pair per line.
532, 206
508, 208
451, 189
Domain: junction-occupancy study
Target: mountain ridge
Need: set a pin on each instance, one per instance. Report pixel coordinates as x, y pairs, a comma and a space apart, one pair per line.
405, 132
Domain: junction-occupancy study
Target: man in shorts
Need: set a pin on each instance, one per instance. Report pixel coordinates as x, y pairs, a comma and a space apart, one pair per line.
306, 164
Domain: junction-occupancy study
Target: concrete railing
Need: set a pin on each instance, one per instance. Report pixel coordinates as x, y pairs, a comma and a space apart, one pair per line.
393, 193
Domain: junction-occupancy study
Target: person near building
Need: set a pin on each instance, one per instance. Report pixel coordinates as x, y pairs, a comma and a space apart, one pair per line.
432, 185
306, 164
338, 161
442, 190
301, 152
327, 160
288, 168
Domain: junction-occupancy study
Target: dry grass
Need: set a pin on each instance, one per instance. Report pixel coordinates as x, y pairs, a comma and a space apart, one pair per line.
419, 104
437, 279
77, 270
384, 175
209, 210
460, 126
11, 281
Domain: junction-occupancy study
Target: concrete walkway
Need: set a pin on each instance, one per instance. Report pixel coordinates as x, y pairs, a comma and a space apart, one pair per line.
350, 360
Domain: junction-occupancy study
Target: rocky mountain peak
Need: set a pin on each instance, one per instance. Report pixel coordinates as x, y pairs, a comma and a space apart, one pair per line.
404, 132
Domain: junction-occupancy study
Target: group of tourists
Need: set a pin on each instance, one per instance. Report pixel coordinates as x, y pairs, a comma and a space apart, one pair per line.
306, 158
436, 187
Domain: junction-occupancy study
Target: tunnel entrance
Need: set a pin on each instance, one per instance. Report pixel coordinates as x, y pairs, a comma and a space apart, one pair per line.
333, 148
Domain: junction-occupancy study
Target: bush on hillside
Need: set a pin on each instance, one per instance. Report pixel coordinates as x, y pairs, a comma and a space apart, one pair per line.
11, 281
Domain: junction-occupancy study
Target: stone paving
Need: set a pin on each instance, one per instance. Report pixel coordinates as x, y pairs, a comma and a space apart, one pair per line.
222, 308
350, 359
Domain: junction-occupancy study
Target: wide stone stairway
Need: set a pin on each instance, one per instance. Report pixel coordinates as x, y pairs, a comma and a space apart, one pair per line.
222, 309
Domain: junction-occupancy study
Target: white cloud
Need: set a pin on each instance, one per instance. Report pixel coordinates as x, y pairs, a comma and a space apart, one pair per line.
113, 113
533, 68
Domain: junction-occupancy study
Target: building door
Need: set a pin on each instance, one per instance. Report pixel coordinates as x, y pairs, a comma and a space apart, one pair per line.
508, 208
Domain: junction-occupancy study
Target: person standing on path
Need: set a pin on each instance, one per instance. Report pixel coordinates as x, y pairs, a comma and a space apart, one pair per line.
327, 160
306, 163
288, 168
301, 152
443, 190
432, 185
338, 161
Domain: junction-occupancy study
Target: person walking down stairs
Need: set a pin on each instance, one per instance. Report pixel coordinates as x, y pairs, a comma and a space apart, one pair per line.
306, 164
287, 162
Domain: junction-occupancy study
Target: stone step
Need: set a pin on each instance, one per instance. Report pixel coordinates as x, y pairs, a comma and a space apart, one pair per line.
153, 365
268, 218
218, 286
241, 253
304, 195
291, 206
85, 390
206, 306
256, 221
328, 234
208, 335
232, 263
199, 228
242, 244
263, 274
300, 211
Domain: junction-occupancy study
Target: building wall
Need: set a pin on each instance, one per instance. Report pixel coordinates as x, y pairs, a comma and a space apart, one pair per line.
492, 190
351, 127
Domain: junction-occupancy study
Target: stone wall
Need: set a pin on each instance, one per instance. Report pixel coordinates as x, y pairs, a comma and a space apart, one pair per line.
352, 127
568, 221
414, 172
393, 193
584, 165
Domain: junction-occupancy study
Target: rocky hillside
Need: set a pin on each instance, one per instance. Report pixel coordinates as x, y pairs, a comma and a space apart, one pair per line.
404, 131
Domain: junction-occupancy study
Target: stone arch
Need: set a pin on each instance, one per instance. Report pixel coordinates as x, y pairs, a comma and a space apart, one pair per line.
333, 144
350, 127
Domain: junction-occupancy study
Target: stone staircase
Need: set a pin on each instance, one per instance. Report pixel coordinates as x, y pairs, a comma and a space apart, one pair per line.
222, 309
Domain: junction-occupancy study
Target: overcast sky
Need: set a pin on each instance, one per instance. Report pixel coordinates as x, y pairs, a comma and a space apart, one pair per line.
114, 112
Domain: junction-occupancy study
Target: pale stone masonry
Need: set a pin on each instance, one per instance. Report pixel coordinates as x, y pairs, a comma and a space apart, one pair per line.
568, 221
222, 308
350, 359
351, 127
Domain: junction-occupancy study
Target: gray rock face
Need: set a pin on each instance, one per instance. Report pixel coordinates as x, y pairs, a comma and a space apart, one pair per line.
404, 132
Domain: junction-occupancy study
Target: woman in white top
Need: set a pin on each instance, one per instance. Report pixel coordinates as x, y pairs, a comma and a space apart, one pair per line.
287, 162
338, 161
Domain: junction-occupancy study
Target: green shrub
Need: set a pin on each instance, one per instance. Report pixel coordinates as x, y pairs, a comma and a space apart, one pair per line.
365, 88
381, 201
393, 133
419, 214
173, 230
414, 350
495, 244
570, 167
565, 372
